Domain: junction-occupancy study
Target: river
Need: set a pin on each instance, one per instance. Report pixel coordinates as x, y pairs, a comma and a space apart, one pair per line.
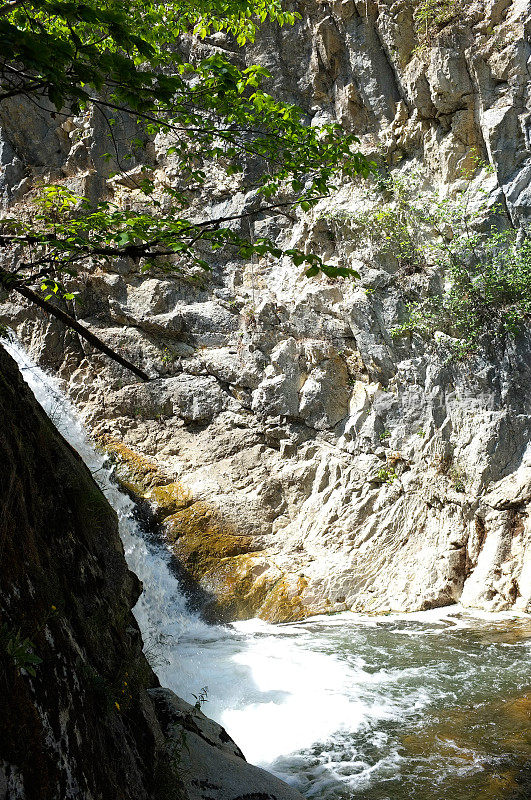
433, 705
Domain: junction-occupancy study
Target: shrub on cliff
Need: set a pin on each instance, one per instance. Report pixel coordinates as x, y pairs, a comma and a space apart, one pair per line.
487, 291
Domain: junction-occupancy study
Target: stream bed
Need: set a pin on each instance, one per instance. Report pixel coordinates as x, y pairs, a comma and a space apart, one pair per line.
434, 705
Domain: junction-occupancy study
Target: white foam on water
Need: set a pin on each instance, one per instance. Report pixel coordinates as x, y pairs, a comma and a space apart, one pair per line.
315, 689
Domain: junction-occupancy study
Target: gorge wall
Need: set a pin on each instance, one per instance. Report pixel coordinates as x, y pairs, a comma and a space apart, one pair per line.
82, 714
300, 458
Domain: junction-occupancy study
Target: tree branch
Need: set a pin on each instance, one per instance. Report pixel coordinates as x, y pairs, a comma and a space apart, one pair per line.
145, 250
70, 322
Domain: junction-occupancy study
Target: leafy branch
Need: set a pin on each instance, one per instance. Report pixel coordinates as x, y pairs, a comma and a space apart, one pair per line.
102, 57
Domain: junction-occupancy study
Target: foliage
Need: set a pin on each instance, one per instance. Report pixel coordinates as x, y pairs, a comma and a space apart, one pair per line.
431, 15
386, 475
177, 747
168, 358
65, 50
388, 226
444, 464
177, 743
67, 230
484, 275
19, 649
116, 60
155, 645
102, 694
488, 291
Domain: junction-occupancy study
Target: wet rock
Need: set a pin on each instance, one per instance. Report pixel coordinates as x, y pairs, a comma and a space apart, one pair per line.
77, 721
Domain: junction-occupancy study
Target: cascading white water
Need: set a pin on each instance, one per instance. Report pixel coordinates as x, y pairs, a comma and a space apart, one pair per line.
337, 706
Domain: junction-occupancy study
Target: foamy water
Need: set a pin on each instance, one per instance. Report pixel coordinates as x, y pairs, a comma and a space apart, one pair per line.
351, 706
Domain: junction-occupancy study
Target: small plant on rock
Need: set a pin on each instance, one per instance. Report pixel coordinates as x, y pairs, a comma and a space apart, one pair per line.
20, 650
458, 479
200, 698
432, 15
167, 357
386, 475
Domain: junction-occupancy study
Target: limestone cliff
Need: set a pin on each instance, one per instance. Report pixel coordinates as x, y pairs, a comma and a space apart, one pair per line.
303, 460
81, 712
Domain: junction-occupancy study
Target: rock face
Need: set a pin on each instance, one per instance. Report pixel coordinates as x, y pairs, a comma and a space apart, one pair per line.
300, 458
76, 716
211, 764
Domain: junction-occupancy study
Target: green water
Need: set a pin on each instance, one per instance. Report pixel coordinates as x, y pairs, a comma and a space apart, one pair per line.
457, 697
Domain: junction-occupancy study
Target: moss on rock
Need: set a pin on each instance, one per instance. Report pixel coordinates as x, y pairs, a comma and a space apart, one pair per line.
284, 603
137, 473
236, 578
169, 499
239, 580
241, 584
200, 537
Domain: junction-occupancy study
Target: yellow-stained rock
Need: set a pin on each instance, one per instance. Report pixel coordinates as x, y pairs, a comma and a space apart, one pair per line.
199, 535
137, 473
237, 579
241, 581
219, 560
284, 603
169, 499
241, 584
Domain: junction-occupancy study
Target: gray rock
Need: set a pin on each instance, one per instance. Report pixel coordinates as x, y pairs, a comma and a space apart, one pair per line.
212, 765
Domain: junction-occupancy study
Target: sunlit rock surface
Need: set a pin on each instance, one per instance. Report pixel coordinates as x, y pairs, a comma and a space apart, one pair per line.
345, 468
